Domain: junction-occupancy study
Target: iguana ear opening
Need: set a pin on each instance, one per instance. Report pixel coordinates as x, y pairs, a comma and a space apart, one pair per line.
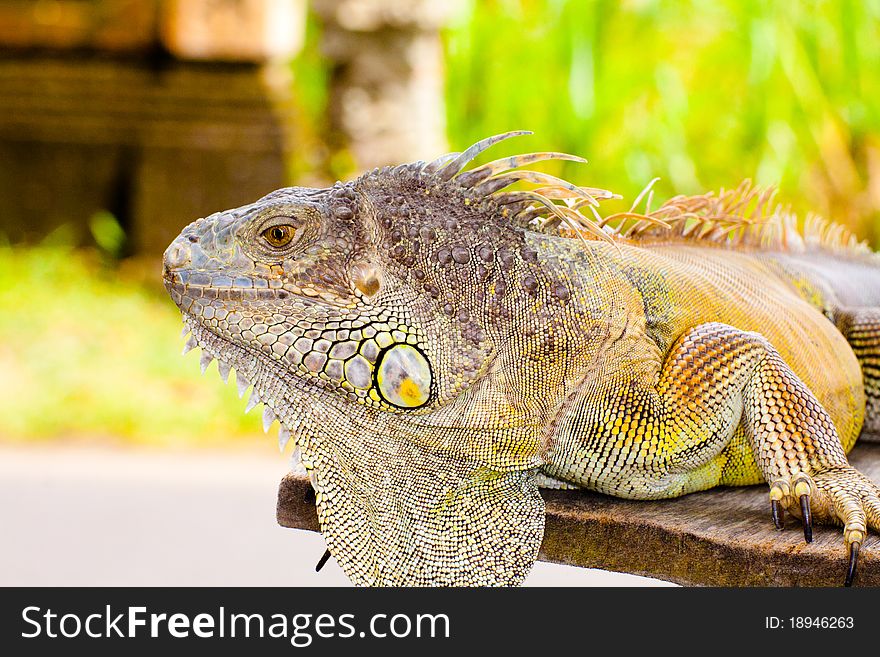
396, 514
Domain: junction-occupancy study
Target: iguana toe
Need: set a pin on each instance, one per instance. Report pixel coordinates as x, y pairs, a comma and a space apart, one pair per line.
839, 495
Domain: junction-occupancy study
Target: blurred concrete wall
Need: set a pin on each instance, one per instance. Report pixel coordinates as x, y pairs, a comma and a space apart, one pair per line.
162, 111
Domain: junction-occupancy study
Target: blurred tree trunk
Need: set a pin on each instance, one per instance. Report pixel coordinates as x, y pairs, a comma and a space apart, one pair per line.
387, 81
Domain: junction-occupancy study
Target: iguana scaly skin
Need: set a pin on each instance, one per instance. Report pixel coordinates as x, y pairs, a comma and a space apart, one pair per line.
440, 347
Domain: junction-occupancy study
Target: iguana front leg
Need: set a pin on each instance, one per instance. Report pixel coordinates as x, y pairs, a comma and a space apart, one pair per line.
723, 408
793, 438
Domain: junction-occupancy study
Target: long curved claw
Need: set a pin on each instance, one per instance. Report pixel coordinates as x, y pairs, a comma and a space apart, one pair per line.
778, 514
322, 561
779, 491
853, 562
803, 490
807, 516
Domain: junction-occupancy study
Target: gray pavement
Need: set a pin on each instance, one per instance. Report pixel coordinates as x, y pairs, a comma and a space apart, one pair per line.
97, 516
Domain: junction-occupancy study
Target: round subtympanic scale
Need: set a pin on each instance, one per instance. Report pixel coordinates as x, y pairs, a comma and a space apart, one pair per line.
403, 376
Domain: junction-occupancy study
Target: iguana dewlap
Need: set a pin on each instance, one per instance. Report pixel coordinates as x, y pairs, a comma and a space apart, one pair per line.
439, 348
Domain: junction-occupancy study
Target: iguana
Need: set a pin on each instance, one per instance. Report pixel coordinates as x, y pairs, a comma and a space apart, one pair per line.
440, 347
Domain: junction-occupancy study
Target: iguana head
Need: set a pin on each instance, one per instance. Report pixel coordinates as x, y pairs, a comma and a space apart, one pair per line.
368, 317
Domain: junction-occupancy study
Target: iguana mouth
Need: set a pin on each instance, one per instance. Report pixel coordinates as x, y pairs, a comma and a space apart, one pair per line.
205, 285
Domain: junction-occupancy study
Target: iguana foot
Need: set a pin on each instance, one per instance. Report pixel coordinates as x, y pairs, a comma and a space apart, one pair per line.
839, 495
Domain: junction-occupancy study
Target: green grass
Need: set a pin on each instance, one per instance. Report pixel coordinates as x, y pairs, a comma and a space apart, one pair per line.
701, 94
88, 352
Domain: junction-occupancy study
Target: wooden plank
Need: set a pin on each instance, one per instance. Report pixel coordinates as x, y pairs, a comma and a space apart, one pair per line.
721, 537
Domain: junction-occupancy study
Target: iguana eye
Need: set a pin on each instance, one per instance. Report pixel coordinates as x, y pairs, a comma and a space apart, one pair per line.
280, 235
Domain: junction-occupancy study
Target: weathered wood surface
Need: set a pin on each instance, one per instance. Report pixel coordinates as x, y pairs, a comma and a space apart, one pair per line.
722, 537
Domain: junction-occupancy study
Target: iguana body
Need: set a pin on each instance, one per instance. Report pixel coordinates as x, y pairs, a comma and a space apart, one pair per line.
439, 348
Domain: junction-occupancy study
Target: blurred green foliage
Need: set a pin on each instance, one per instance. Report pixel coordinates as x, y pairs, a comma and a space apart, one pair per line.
701, 94
109, 236
309, 163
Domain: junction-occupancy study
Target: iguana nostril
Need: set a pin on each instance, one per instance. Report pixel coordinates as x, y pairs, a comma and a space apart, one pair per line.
178, 255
